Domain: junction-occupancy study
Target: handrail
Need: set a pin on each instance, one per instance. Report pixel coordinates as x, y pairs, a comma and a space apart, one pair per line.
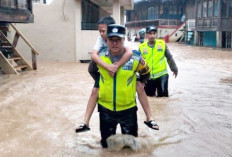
33, 50
177, 29
26, 41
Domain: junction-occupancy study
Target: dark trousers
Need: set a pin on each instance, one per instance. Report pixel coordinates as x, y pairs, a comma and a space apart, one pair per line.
109, 121
93, 71
158, 85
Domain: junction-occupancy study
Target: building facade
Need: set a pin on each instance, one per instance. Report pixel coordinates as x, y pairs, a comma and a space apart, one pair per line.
213, 23
67, 30
16, 11
167, 15
207, 22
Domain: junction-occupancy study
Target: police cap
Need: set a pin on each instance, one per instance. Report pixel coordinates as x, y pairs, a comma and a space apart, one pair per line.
151, 28
116, 30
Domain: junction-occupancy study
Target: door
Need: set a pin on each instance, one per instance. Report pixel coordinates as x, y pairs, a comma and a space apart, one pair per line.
228, 39
201, 37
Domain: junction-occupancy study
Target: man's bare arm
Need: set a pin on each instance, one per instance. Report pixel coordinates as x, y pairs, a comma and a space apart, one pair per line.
126, 56
110, 67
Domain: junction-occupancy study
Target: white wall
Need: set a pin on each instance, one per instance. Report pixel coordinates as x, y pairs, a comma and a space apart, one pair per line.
87, 42
164, 31
52, 33
56, 33
85, 39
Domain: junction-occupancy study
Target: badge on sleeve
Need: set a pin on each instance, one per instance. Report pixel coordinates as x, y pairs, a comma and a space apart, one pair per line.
128, 65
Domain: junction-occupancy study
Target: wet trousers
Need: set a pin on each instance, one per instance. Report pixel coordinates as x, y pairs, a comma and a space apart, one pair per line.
158, 86
110, 119
94, 72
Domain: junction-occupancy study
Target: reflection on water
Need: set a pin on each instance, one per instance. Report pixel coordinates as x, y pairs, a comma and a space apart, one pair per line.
39, 110
227, 80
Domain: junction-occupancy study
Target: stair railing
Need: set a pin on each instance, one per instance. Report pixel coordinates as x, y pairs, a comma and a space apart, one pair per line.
34, 52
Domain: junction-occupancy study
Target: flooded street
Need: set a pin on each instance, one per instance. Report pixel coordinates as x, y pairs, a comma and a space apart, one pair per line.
39, 110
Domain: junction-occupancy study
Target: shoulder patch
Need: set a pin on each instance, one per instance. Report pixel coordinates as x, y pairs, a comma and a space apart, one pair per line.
128, 65
136, 55
103, 51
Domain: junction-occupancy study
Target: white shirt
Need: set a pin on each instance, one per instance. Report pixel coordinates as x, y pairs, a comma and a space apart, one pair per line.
101, 43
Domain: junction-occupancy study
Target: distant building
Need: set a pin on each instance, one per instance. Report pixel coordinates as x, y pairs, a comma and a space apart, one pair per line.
167, 15
16, 11
213, 23
207, 22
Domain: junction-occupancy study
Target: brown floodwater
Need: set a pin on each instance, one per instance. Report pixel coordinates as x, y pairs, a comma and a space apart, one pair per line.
39, 110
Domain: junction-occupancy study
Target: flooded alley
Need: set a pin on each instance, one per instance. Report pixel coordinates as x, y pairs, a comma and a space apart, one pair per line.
39, 110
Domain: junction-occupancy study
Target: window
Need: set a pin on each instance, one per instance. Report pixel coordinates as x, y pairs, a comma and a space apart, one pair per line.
36, 1
204, 9
161, 10
210, 8
230, 8
132, 16
42, 1
175, 10
199, 9
181, 11
224, 8
144, 14
91, 13
151, 13
8, 3
156, 12
165, 11
215, 12
170, 9
22, 4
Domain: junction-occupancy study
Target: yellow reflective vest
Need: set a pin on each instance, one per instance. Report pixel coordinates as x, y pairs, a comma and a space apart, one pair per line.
118, 93
155, 58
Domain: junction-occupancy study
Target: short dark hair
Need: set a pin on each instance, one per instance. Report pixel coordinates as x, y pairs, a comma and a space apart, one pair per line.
108, 20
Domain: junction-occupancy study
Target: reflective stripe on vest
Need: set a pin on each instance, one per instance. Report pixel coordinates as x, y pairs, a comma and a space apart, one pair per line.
118, 93
155, 58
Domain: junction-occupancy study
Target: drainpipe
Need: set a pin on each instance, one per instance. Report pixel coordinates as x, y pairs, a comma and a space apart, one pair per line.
116, 11
219, 39
219, 32
122, 15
